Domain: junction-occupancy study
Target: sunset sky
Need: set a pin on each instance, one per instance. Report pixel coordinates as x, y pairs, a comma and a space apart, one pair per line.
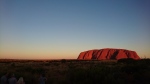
61, 29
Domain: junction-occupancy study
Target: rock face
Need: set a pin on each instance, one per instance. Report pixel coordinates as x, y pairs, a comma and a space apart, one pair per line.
108, 53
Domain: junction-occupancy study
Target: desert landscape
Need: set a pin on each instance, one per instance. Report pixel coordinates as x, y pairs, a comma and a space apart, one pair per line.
80, 71
74, 41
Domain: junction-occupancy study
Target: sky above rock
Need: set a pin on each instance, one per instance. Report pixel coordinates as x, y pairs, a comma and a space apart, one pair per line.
61, 29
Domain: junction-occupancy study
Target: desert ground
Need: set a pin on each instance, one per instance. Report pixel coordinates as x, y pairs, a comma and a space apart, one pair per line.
126, 71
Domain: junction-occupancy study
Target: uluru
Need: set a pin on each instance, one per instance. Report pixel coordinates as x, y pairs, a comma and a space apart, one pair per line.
108, 54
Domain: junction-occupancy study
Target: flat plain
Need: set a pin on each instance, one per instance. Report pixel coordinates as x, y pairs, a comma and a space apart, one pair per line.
126, 71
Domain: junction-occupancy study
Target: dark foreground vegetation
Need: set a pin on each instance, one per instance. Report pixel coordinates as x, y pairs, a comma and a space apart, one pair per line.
125, 71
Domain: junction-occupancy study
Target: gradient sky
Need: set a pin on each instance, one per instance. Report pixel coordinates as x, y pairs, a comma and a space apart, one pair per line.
61, 29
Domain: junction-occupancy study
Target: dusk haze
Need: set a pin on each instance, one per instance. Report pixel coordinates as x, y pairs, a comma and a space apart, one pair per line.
62, 29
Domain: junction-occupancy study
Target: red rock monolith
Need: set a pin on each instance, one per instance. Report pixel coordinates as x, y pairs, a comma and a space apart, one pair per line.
107, 54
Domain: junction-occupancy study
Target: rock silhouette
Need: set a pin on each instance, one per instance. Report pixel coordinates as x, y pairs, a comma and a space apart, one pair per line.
108, 53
